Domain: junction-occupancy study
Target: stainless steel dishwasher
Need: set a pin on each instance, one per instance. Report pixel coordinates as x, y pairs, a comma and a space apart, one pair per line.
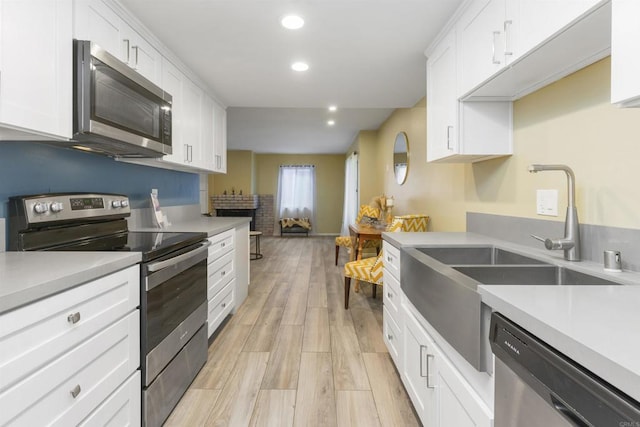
537, 386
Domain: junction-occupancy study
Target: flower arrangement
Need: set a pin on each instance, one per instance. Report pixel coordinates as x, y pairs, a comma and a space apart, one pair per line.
381, 202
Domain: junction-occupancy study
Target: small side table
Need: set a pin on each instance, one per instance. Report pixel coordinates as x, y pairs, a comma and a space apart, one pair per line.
257, 254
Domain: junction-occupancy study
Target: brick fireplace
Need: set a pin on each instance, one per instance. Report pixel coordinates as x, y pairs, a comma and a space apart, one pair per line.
258, 207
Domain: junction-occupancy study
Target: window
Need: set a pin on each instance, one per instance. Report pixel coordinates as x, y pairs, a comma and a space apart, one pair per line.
297, 192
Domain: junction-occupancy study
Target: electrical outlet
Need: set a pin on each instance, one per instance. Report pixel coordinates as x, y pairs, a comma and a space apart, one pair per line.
547, 202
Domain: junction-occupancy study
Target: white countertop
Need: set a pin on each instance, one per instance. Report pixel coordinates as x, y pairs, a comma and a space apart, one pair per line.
203, 224
597, 326
26, 277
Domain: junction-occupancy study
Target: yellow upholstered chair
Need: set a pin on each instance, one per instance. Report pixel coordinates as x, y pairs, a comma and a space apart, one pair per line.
366, 270
414, 222
346, 241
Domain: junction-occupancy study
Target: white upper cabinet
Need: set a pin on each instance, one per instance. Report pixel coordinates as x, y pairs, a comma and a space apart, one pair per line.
220, 138
457, 131
625, 57
207, 140
442, 131
172, 80
483, 35
510, 48
96, 21
35, 69
192, 123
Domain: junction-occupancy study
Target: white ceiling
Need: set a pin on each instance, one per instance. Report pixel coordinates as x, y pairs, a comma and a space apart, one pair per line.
365, 56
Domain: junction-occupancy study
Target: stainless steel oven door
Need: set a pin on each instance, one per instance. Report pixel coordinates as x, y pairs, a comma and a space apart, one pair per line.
173, 307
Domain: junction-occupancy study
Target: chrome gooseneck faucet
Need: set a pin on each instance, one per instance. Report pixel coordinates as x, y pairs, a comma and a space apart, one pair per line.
570, 243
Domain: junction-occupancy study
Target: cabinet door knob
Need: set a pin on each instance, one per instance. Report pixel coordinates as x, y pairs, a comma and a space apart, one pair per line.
75, 391
224, 304
389, 295
389, 337
224, 272
74, 317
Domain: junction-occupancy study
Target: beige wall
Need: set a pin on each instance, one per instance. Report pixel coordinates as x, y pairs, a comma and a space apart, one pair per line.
570, 121
370, 178
330, 184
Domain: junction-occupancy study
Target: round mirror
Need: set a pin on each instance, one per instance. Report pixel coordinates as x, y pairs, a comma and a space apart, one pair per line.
401, 157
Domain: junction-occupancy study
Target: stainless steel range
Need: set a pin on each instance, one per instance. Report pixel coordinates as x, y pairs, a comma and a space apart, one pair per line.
173, 282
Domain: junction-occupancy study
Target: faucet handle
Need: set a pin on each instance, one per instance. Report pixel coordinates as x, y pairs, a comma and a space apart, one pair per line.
548, 243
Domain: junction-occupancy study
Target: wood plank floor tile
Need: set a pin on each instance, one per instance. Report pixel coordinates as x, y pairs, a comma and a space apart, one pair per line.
316, 330
223, 353
264, 331
356, 408
315, 400
274, 408
392, 401
296, 303
349, 372
284, 362
296, 309
193, 409
368, 331
237, 399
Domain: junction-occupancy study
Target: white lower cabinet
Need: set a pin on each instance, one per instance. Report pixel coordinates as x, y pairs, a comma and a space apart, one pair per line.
67, 356
441, 395
220, 278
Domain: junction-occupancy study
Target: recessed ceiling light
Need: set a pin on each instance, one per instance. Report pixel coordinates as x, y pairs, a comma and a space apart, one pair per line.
332, 108
331, 122
299, 66
292, 22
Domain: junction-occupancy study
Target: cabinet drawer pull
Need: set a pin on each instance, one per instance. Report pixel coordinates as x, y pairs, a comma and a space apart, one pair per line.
389, 259
493, 48
75, 391
507, 24
449, 129
389, 337
74, 317
223, 244
126, 41
389, 295
429, 375
224, 304
421, 359
136, 49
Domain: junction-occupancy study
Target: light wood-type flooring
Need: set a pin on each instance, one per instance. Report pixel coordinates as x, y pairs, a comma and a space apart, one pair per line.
293, 356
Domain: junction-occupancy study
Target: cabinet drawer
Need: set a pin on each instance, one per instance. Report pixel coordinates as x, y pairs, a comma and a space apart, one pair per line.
122, 408
391, 290
220, 272
220, 306
221, 244
392, 337
91, 371
391, 259
35, 334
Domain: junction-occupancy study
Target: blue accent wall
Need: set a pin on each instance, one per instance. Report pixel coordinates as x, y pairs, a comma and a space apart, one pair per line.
33, 168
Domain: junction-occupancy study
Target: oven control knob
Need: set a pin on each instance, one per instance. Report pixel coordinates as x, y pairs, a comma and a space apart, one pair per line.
56, 207
124, 203
116, 204
41, 207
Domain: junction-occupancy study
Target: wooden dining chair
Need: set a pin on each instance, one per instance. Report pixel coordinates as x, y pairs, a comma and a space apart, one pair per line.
347, 241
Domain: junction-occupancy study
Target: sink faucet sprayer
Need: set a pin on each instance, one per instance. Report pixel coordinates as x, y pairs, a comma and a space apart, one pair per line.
570, 243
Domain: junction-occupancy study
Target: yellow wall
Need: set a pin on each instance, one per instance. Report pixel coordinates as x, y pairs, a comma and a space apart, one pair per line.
240, 174
570, 122
330, 184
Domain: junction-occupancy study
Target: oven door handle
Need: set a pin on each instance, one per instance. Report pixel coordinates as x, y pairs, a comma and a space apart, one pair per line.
156, 266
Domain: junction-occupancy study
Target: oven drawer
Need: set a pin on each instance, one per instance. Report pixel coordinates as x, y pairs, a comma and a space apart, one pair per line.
220, 306
35, 334
122, 408
221, 244
220, 272
69, 388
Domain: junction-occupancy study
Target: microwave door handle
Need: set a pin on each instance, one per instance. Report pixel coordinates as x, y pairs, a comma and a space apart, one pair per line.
156, 266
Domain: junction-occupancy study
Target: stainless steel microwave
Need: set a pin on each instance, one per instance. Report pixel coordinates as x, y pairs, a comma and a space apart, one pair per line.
117, 111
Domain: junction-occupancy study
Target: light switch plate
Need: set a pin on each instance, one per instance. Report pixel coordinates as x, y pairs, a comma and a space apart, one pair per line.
547, 202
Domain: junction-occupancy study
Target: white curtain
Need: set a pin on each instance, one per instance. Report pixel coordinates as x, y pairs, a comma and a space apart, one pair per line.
296, 196
350, 210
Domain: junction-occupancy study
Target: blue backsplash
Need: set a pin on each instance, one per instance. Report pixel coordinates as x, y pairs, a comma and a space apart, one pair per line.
32, 168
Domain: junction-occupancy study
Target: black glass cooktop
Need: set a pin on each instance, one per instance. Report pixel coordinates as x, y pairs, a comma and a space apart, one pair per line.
152, 244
